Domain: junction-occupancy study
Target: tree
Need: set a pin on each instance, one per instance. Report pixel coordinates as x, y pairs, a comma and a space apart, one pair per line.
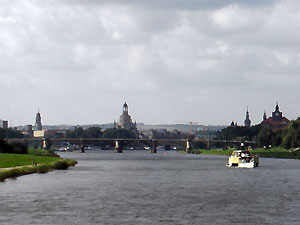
265, 137
10, 133
118, 133
93, 132
240, 133
79, 132
291, 136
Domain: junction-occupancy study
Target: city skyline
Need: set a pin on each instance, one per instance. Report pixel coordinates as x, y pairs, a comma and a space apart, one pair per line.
38, 119
201, 61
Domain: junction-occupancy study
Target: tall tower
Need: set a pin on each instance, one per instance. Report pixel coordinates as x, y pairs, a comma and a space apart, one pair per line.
38, 121
125, 108
276, 115
264, 116
247, 121
125, 121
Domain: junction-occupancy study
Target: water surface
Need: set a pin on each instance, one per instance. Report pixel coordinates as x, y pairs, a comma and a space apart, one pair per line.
137, 187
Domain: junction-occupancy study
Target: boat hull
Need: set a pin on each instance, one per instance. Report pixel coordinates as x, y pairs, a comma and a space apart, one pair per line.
246, 165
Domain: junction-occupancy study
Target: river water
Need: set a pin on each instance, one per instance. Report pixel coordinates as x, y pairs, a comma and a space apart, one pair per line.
137, 187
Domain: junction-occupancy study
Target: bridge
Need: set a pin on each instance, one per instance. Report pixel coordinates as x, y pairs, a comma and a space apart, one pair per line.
119, 144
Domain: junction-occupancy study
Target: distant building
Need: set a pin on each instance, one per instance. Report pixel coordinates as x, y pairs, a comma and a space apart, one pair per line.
233, 124
38, 121
28, 130
125, 121
49, 133
247, 121
4, 124
277, 121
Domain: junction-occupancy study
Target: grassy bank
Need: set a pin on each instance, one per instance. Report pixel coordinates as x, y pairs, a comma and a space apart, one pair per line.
13, 160
269, 153
41, 152
208, 152
14, 165
277, 153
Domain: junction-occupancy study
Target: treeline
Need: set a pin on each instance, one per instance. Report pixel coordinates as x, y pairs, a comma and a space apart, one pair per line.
10, 133
79, 132
15, 148
287, 138
96, 132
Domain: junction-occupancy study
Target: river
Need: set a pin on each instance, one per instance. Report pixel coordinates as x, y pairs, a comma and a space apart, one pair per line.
137, 187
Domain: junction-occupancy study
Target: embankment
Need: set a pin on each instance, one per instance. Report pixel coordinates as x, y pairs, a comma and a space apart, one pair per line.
15, 165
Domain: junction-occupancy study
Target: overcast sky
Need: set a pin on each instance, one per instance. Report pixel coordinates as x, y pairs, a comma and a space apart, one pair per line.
171, 60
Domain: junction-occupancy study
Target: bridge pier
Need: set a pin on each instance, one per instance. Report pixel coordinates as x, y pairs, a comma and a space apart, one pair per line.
118, 147
188, 146
225, 145
82, 150
153, 147
208, 145
46, 143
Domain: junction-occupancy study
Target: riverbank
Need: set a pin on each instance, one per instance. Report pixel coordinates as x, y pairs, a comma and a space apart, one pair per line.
265, 153
15, 165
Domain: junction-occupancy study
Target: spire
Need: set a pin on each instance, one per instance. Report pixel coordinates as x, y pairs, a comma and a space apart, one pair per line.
276, 115
277, 107
265, 115
125, 108
38, 121
247, 121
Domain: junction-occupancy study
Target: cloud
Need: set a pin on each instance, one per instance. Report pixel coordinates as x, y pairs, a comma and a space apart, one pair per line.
171, 60
174, 4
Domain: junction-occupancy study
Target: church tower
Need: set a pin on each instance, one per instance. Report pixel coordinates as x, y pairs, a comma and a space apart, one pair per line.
38, 121
247, 121
125, 108
125, 121
277, 115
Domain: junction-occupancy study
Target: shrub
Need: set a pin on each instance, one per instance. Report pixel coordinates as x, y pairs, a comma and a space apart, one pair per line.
5, 147
15, 147
61, 165
19, 148
42, 168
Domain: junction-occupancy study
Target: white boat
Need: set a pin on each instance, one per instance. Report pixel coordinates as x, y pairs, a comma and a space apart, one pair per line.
65, 147
243, 159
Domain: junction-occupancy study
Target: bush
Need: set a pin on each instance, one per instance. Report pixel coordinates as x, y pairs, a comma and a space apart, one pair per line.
15, 147
61, 165
42, 168
5, 147
19, 148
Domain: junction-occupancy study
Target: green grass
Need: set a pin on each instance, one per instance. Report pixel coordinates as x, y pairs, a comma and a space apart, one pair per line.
208, 152
61, 164
277, 152
24, 164
40, 152
13, 160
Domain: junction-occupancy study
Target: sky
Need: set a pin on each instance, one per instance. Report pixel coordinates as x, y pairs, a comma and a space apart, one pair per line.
206, 61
